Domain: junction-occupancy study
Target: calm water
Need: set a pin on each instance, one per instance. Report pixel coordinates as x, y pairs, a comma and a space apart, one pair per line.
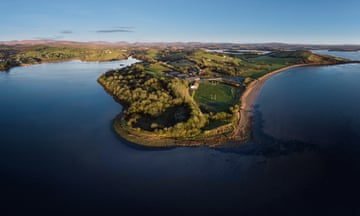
354, 55
59, 154
313, 104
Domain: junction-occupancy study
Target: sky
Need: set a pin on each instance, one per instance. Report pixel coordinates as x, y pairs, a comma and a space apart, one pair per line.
235, 21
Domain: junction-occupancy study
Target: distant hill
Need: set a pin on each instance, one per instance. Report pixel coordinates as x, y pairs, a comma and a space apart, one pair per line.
308, 57
63, 43
234, 46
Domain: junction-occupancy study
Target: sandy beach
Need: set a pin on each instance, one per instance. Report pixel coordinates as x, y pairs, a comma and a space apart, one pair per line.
248, 99
253, 89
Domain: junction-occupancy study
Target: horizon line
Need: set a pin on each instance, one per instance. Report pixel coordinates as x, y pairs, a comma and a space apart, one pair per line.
174, 42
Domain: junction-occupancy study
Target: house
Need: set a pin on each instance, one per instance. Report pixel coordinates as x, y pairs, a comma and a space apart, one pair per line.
194, 85
173, 73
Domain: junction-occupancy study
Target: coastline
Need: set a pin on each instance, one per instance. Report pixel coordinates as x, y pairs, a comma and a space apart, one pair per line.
249, 96
146, 139
242, 129
57, 61
248, 99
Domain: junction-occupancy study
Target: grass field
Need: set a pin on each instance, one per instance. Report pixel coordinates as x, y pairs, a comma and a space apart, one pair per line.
257, 66
152, 53
216, 98
182, 63
272, 60
156, 70
213, 59
157, 67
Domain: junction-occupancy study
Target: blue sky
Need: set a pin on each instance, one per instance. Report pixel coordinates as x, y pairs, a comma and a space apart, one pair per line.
240, 21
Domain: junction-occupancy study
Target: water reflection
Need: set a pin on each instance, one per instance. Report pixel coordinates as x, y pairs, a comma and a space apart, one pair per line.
58, 149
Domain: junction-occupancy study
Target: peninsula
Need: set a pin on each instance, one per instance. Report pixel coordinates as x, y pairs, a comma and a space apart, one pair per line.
180, 94
191, 97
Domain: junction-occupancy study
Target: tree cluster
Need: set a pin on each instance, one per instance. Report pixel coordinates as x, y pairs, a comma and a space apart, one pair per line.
147, 97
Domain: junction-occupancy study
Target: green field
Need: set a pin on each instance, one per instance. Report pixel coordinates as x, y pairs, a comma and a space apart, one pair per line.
152, 53
214, 59
182, 63
259, 65
216, 97
266, 59
156, 70
157, 67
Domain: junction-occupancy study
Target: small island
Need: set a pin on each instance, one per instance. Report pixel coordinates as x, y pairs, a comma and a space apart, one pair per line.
192, 97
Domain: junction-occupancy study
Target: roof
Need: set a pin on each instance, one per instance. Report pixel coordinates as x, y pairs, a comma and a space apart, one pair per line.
174, 73
183, 76
194, 85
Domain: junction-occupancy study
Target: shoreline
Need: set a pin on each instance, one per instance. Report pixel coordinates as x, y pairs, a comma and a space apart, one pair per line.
248, 99
243, 131
253, 89
59, 61
242, 128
